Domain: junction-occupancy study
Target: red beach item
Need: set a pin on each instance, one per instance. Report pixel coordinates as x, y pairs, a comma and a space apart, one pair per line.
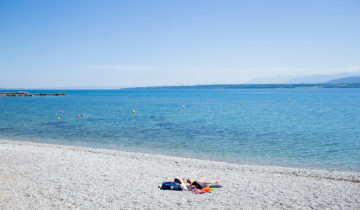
206, 189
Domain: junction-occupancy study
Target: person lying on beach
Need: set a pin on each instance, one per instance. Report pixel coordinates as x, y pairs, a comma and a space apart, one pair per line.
185, 183
189, 181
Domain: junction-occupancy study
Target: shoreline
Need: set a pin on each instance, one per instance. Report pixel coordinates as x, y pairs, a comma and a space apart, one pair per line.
321, 173
247, 163
37, 175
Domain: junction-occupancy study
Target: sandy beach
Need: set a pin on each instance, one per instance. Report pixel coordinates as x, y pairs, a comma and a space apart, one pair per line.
44, 176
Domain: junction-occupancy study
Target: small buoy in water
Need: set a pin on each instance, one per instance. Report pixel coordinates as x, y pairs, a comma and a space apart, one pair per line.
183, 107
58, 118
78, 116
82, 115
133, 111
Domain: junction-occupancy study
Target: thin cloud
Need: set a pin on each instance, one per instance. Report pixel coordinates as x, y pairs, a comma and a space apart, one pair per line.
120, 68
255, 72
140, 68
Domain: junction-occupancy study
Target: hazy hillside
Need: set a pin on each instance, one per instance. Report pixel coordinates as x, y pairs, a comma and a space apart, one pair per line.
345, 80
309, 79
253, 86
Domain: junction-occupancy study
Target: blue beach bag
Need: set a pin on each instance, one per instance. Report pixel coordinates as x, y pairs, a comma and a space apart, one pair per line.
170, 186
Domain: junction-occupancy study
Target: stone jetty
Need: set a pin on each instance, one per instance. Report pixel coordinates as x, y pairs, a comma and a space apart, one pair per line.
20, 93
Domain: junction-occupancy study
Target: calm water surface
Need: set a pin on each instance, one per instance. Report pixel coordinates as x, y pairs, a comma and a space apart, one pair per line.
309, 128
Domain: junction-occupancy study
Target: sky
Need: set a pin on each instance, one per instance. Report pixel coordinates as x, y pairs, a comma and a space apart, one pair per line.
115, 44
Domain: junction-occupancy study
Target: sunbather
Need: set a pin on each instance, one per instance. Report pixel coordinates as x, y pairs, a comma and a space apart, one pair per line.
189, 181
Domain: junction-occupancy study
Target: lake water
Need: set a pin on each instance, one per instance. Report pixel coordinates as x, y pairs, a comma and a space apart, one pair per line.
308, 128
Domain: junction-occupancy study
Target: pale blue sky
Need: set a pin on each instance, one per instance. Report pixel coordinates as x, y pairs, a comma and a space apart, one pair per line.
54, 44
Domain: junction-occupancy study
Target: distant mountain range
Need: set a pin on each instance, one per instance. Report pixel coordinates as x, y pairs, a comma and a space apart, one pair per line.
345, 80
251, 86
310, 79
342, 80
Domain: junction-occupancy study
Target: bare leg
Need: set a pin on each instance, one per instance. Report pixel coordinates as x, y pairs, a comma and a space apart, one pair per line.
202, 180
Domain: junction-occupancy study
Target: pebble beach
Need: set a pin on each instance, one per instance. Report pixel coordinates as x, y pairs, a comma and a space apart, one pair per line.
46, 176
244, 104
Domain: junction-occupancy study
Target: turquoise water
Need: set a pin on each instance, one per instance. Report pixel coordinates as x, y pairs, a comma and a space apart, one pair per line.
308, 128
